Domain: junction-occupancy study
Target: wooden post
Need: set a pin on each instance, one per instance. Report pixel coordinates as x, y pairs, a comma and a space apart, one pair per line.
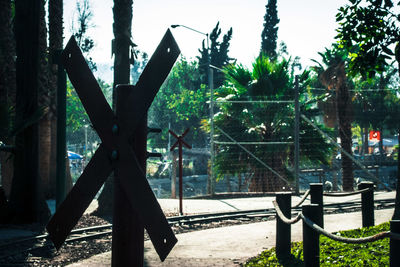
180, 142
316, 192
128, 229
311, 237
283, 230
367, 204
173, 175
180, 179
394, 244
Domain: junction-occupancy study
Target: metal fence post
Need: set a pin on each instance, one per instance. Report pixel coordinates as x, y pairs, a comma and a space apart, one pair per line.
283, 230
367, 204
394, 244
296, 134
316, 191
311, 237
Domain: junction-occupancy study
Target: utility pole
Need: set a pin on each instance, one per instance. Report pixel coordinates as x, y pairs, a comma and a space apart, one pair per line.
211, 180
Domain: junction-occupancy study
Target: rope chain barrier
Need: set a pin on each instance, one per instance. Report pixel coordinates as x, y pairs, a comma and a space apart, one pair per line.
360, 240
283, 217
302, 199
345, 194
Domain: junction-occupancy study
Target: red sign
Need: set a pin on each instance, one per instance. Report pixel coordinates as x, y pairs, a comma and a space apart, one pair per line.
375, 135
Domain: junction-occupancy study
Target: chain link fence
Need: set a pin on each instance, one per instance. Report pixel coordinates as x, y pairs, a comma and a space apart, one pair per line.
254, 146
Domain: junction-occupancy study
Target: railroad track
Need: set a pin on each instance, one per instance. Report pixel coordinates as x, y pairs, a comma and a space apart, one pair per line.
15, 248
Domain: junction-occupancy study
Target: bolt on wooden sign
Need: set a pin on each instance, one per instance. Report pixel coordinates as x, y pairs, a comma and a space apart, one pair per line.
115, 152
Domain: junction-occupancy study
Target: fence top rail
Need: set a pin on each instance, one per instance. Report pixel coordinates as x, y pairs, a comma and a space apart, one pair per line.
345, 194
252, 143
255, 101
283, 217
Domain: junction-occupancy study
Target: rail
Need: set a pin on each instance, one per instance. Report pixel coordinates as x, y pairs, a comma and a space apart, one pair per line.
345, 194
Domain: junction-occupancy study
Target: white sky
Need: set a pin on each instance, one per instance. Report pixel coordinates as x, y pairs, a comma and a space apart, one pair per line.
306, 26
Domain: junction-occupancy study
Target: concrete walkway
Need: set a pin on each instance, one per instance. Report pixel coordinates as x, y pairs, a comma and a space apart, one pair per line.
229, 246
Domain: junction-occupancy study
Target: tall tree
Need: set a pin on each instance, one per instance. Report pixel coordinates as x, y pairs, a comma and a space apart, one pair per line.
257, 121
83, 19
44, 102
181, 104
25, 199
337, 104
269, 35
7, 88
335, 78
369, 28
218, 55
122, 11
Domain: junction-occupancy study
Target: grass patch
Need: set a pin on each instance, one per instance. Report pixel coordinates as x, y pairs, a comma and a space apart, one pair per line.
333, 253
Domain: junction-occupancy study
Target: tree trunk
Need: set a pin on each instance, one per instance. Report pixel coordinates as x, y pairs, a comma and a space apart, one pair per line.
122, 11
344, 117
396, 214
266, 181
26, 200
7, 90
228, 183
365, 144
7, 64
43, 98
381, 151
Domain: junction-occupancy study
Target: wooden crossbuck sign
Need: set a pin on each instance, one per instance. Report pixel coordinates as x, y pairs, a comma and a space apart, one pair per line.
115, 152
179, 142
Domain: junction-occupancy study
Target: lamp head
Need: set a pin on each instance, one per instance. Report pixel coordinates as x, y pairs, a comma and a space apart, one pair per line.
175, 26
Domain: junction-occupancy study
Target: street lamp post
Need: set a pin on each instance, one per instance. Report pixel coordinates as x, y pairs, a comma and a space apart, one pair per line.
211, 185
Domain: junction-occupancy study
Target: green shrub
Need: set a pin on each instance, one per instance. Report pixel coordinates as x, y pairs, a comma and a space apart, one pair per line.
333, 253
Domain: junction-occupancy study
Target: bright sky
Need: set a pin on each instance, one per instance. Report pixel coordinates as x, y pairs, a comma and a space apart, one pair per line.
306, 26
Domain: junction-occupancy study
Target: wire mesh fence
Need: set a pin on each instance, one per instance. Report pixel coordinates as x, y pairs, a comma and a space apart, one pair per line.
254, 145
254, 142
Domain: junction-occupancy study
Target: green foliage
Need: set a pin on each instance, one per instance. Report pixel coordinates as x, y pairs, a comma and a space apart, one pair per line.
219, 55
141, 59
180, 104
333, 253
77, 117
269, 34
84, 41
264, 121
367, 29
372, 108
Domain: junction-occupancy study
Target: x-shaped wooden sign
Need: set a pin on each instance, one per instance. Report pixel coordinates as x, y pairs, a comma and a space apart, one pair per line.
179, 142
115, 152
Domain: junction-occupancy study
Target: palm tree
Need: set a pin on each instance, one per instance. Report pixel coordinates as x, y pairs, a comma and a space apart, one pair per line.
7, 88
335, 78
332, 75
263, 121
26, 201
122, 11
43, 101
